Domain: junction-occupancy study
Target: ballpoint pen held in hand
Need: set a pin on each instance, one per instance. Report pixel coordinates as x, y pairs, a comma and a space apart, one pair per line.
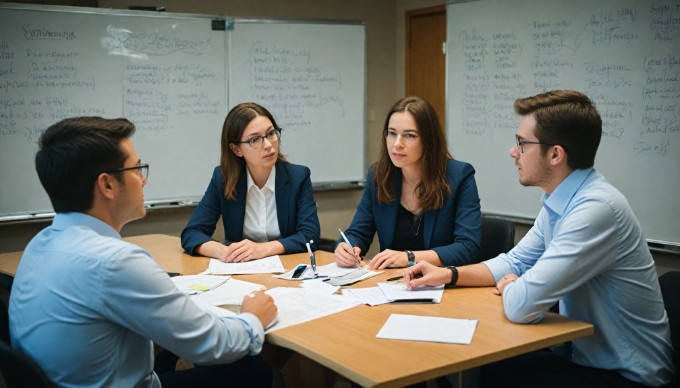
351, 247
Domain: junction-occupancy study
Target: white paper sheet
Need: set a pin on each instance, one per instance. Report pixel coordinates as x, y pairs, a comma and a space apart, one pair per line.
297, 305
319, 286
195, 284
399, 292
231, 292
270, 264
429, 329
371, 296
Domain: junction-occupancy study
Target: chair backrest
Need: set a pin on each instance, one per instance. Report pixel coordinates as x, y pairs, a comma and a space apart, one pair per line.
670, 289
498, 236
17, 369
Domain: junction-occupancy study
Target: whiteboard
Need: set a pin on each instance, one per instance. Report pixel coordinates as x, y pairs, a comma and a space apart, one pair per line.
163, 72
311, 76
623, 54
168, 73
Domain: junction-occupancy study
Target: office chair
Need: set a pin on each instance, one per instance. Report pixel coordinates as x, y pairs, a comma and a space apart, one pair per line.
498, 236
670, 290
16, 369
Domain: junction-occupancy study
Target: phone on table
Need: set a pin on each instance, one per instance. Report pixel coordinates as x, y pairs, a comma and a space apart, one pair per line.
299, 270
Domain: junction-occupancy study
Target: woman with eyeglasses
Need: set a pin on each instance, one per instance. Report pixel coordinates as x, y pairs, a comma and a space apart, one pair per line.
266, 204
422, 203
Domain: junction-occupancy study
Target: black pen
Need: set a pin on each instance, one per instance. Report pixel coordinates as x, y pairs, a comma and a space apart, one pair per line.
394, 279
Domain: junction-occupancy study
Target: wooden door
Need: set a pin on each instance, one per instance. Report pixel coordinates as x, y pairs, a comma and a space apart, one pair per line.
425, 57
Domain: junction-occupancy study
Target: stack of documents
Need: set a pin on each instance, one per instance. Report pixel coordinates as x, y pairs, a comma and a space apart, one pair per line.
395, 293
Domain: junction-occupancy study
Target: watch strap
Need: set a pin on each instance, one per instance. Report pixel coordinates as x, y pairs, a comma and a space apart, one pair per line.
454, 276
411, 258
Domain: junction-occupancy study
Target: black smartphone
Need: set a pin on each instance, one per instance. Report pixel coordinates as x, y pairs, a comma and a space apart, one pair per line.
299, 270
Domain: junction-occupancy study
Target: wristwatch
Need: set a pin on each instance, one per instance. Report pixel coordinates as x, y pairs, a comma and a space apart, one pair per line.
454, 277
411, 258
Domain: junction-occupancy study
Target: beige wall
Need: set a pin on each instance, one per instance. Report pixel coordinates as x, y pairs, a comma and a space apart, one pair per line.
385, 32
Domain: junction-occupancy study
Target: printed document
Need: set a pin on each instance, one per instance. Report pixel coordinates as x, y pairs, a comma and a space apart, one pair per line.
298, 305
270, 264
399, 292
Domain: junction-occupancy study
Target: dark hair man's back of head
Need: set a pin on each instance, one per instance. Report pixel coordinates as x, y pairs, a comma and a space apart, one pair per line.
73, 152
567, 118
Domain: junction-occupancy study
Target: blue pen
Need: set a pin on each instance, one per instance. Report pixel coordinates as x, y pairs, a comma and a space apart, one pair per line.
350, 247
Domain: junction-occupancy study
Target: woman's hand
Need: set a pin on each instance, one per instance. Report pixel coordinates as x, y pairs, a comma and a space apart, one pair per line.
388, 258
244, 250
344, 256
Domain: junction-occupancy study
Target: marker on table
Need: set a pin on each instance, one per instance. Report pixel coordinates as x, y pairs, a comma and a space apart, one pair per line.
351, 247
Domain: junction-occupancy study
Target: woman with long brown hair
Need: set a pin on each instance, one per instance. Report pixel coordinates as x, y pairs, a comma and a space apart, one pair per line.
266, 204
422, 203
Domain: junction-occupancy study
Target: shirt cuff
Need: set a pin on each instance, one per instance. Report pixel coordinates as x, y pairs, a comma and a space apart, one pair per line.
498, 267
256, 332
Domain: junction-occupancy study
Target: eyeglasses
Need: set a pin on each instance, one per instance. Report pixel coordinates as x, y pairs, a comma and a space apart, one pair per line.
143, 170
392, 135
257, 141
520, 143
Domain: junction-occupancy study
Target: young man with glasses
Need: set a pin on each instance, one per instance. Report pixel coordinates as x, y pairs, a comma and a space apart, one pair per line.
88, 307
586, 251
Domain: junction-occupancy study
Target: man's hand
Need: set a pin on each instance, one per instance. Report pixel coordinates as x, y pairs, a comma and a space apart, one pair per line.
505, 280
426, 274
261, 305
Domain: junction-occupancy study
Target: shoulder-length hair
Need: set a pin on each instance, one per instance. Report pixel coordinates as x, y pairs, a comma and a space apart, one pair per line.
433, 187
231, 165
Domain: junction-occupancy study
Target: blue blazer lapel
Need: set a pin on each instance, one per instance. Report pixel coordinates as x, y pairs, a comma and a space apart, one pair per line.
283, 212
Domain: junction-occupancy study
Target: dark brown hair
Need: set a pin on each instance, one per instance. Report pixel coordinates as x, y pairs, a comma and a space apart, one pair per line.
433, 187
73, 152
567, 118
236, 122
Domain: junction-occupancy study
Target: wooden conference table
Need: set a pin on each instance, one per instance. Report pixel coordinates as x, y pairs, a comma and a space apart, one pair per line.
346, 342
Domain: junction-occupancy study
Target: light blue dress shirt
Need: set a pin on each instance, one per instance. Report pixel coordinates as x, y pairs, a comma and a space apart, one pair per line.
587, 251
87, 305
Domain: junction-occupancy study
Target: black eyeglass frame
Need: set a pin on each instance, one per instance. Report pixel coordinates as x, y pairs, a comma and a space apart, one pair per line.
143, 170
256, 142
520, 143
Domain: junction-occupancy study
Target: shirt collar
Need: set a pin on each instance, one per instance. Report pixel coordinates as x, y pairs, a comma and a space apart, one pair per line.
558, 201
63, 221
270, 184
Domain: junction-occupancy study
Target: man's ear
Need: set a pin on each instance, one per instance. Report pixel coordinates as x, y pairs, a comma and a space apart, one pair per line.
557, 154
105, 185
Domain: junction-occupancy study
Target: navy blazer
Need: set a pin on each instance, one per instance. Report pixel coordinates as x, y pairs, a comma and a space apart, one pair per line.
454, 231
295, 209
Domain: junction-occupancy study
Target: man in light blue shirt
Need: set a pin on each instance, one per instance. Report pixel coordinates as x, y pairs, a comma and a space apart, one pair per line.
585, 250
88, 306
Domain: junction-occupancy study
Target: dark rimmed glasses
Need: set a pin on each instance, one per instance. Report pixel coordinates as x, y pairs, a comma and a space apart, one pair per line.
256, 142
520, 143
143, 170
